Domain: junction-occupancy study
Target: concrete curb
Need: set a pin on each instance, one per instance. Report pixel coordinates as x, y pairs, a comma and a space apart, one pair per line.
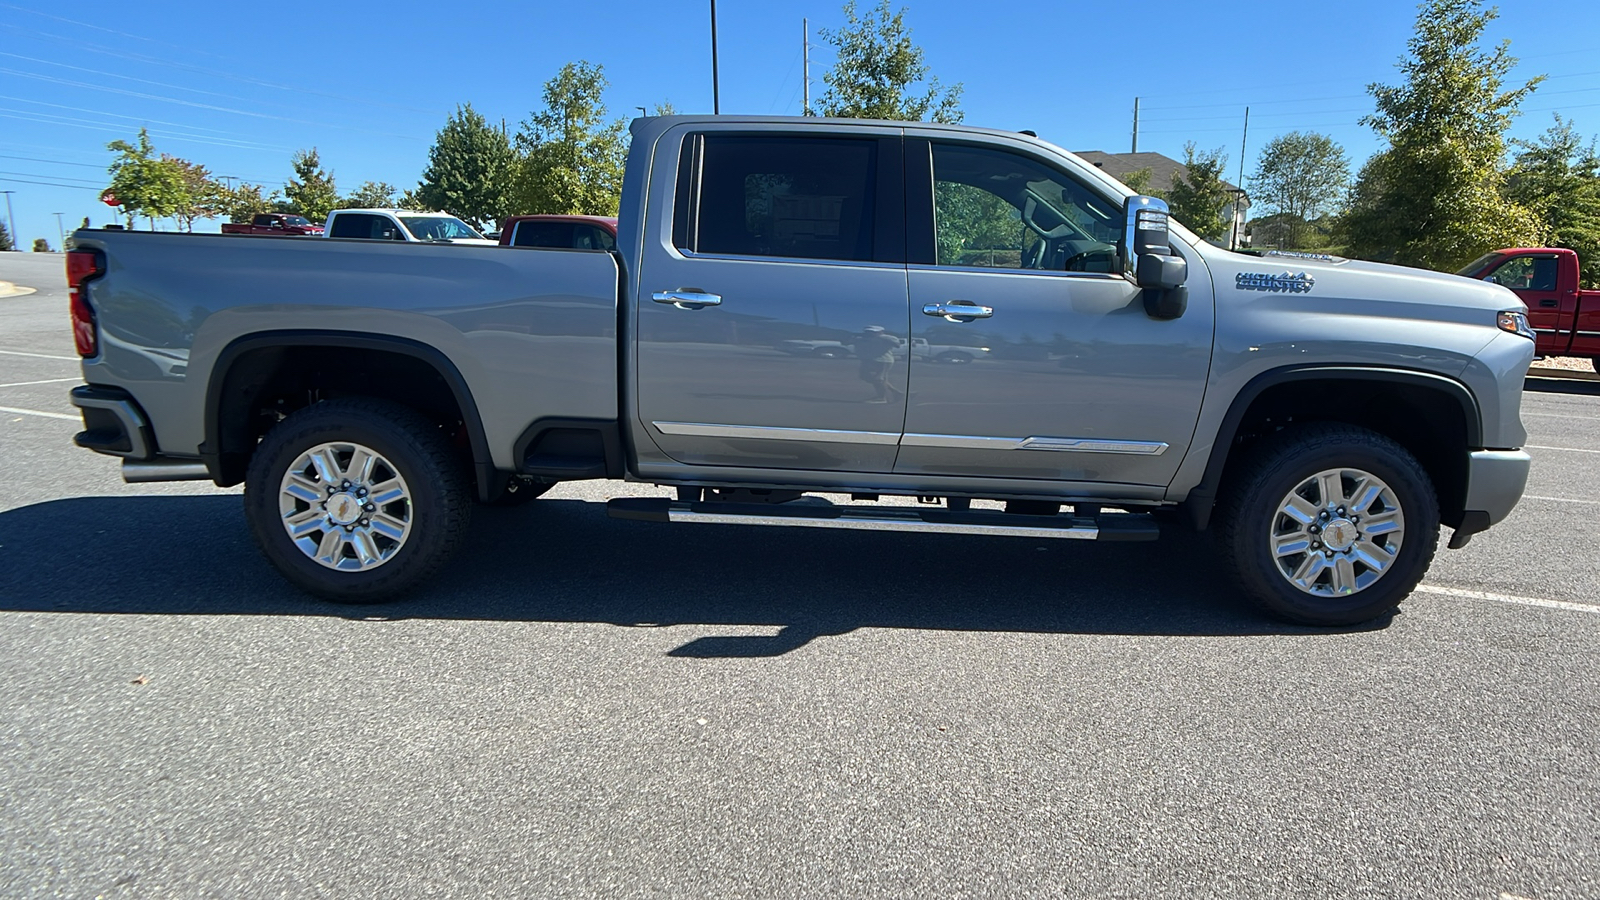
7, 289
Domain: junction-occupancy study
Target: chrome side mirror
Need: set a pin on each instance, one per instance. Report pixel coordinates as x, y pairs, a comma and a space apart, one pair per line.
1148, 260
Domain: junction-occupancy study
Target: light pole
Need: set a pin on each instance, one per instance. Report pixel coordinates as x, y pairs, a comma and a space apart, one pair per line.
716, 97
61, 227
11, 222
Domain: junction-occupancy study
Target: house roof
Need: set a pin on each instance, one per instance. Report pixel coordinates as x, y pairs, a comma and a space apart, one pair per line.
1163, 169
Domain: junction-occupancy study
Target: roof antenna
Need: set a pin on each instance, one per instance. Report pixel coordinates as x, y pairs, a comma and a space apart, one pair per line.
1029, 132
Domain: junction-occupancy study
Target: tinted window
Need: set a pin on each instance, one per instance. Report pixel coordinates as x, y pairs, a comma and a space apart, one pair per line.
352, 225
542, 234
589, 237
995, 209
810, 198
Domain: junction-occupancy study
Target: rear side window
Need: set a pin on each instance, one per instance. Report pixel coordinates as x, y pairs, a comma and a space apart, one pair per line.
800, 197
364, 225
542, 234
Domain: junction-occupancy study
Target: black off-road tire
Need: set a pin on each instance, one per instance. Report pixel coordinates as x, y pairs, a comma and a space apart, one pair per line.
440, 495
1249, 510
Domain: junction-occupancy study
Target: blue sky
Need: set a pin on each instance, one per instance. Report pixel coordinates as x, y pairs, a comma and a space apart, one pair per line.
239, 87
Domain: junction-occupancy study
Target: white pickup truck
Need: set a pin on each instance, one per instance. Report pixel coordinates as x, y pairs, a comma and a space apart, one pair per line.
403, 225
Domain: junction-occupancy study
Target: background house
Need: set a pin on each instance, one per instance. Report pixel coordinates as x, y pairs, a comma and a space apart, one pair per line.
1163, 169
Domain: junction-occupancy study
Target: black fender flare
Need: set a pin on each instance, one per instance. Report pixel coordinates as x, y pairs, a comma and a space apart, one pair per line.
1202, 497
227, 471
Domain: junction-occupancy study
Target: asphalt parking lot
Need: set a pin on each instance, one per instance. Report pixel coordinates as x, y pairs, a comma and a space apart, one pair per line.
585, 707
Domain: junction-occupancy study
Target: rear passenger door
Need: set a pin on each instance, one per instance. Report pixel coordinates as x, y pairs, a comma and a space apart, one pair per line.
772, 324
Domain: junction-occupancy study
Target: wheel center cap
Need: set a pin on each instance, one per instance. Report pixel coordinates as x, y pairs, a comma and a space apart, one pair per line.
1340, 534
344, 508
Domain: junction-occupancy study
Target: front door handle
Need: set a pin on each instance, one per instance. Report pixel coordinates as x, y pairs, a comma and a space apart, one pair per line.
687, 298
958, 310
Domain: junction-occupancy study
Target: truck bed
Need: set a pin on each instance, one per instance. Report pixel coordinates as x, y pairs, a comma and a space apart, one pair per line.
533, 334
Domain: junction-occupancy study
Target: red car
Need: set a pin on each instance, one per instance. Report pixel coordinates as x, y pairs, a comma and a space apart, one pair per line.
562, 232
274, 223
1565, 318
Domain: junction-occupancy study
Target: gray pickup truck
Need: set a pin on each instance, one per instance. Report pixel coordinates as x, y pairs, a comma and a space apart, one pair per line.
1325, 416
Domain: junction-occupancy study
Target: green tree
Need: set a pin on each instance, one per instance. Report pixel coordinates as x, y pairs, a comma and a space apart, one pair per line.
572, 158
6, 243
881, 74
471, 169
1138, 181
245, 202
203, 197
312, 192
1300, 176
143, 183
1558, 178
1199, 198
41, 245
371, 195
1436, 196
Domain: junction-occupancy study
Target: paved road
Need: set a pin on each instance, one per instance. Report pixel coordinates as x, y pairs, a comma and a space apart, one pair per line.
588, 708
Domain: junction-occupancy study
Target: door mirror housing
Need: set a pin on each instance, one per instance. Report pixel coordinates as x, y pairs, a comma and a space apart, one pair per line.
1148, 260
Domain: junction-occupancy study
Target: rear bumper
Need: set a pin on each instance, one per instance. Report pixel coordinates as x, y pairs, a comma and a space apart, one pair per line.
113, 423
1495, 481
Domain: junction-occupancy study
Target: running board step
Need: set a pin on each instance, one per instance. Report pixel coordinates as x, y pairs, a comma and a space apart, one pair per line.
1105, 527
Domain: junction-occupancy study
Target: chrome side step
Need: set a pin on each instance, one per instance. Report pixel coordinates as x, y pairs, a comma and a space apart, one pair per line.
142, 471
932, 520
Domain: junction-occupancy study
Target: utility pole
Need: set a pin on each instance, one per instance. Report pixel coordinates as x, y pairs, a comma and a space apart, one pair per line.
716, 97
11, 222
1136, 125
805, 67
1238, 194
61, 227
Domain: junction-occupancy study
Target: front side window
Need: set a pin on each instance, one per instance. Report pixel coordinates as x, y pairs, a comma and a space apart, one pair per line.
1526, 273
439, 228
995, 209
800, 197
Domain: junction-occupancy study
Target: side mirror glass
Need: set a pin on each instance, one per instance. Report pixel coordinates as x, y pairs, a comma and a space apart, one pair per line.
1148, 260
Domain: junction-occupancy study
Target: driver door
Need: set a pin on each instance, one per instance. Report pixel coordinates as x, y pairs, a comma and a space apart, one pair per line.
1040, 362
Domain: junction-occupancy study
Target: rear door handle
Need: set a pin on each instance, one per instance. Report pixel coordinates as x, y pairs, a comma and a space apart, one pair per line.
958, 310
687, 298
1549, 302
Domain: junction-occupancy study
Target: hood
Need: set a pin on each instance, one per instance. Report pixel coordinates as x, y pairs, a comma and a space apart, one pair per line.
1379, 288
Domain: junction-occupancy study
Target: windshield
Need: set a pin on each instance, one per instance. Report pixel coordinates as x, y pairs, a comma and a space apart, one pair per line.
1479, 265
296, 220
439, 228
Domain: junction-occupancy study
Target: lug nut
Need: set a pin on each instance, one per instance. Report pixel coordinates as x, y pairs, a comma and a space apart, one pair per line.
362, 492
347, 484
366, 521
1341, 510
1315, 544
1328, 554
1323, 515
1315, 530
349, 528
324, 506
369, 508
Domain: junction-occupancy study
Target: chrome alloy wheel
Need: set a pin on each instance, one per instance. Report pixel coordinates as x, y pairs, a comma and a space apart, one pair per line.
1337, 533
345, 506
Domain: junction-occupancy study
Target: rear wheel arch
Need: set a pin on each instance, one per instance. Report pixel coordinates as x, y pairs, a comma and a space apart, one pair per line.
261, 368
1436, 418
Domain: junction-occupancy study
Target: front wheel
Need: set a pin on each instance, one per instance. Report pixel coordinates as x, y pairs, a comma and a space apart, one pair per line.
1329, 524
356, 500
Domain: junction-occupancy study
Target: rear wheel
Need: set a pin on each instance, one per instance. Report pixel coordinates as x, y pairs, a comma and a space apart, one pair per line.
1330, 524
356, 500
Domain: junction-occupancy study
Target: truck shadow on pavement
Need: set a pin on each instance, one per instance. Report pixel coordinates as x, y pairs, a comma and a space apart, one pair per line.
565, 561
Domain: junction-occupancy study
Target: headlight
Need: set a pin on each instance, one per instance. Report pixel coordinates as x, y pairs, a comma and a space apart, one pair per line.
1516, 322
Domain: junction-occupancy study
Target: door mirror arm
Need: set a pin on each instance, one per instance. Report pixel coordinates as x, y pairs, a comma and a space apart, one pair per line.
1148, 260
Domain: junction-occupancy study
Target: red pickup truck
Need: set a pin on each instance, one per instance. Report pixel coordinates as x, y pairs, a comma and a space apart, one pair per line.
274, 223
1565, 317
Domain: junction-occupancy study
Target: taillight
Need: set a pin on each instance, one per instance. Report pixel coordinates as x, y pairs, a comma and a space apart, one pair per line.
81, 266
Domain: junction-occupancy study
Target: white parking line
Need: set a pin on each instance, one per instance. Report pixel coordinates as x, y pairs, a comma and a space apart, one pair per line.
1507, 598
45, 381
1560, 499
39, 412
39, 355
1565, 449
1561, 416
